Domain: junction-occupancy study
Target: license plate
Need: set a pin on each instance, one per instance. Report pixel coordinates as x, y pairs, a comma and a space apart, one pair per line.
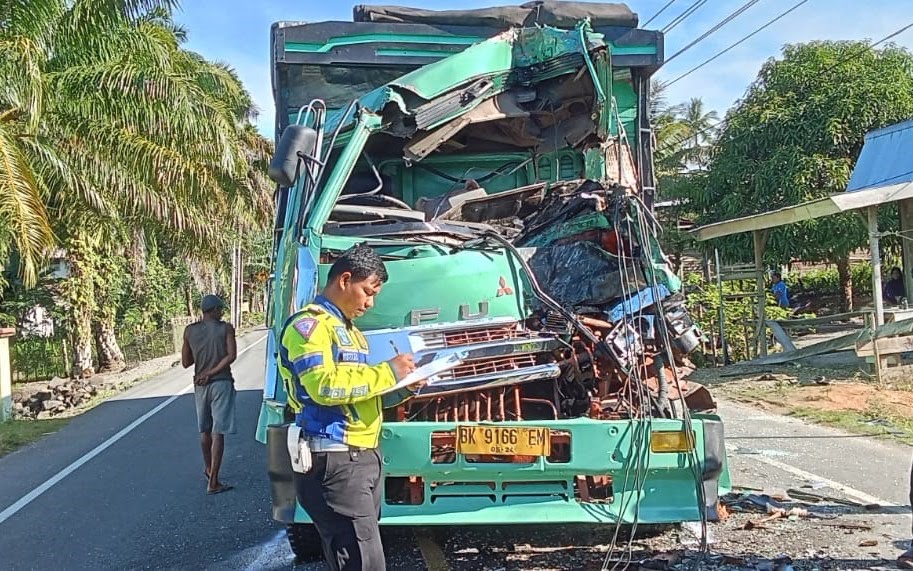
503, 440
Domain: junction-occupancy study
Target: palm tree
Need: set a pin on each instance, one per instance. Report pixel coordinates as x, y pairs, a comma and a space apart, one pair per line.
108, 126
700, 126
659, 105
23, 217
670, 134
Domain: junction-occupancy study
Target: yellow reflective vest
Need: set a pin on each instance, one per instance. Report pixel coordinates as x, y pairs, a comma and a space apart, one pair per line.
331, 388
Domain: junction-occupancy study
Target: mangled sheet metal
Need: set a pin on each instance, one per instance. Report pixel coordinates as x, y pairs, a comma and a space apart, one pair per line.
584, 245
608, 335
502, 106
440, 92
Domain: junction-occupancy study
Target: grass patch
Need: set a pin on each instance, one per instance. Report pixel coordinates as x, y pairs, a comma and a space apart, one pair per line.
868, 422
770, 394
858, 408
16, 433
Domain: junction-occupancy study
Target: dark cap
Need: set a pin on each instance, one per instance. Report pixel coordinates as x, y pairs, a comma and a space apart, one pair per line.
211, 302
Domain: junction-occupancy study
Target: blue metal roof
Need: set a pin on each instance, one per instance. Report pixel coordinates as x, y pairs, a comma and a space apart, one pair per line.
886, 158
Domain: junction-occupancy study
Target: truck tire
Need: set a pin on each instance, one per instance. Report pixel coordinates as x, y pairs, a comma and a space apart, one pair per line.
304, 541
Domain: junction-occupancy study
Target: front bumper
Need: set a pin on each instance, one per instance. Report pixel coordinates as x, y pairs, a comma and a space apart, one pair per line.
464, 493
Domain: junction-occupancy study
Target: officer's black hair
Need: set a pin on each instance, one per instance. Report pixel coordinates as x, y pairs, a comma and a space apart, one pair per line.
776, 275
361, 261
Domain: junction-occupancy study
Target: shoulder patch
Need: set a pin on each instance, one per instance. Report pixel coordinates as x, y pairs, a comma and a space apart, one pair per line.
342, 335
306, 326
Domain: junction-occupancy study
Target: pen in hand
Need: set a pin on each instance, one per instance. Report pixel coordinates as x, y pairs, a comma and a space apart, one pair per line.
402, 363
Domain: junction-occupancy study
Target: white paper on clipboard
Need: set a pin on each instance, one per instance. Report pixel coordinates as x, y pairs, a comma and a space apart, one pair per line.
428, 371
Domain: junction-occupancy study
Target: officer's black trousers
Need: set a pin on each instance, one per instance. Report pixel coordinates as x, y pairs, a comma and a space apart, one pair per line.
342, 493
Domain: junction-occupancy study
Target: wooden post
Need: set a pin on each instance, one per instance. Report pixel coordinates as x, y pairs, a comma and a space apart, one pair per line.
872, 219
6, 375
905, 207
722, 316
760, 242
872, 213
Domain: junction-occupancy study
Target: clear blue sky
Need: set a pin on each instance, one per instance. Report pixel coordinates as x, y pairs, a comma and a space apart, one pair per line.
237, 32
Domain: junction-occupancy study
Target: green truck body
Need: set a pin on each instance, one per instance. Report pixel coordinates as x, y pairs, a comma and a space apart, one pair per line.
504, 173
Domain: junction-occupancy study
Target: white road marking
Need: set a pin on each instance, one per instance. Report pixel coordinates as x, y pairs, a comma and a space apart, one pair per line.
852, 493
50, 482
270, 552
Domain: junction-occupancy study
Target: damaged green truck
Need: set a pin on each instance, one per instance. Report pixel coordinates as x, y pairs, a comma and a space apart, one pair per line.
500, 160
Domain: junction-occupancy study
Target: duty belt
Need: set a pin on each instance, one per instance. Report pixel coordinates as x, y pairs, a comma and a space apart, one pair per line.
321, 444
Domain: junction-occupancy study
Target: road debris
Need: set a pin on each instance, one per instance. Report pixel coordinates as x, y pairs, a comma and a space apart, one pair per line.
817, 498
849, 526
692, 532
777, 513
664, 560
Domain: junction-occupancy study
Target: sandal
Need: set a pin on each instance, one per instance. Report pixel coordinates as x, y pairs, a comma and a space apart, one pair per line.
220, 489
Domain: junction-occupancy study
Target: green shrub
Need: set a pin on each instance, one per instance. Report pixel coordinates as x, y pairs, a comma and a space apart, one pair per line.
253, 319
862, 278
827, 281
822, 282
703, 303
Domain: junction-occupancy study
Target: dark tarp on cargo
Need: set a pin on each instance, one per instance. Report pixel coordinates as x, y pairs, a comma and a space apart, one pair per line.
547, 12
582, 275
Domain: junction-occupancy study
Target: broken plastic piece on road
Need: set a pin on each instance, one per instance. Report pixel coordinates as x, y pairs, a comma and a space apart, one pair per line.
663, 560
693, 529
816, 485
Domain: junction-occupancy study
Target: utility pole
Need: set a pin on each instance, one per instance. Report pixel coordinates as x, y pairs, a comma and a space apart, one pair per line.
236, 280
237, 284
240, 283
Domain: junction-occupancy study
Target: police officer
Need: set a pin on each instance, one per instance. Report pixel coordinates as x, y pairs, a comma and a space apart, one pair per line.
336, 397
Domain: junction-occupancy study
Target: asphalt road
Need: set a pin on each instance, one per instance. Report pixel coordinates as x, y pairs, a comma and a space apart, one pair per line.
136, 496
140, 502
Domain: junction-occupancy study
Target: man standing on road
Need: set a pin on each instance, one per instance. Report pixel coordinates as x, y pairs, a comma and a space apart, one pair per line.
338, 401
209, 345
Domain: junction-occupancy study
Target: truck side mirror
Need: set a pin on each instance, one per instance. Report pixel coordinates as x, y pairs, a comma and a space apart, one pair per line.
296, 144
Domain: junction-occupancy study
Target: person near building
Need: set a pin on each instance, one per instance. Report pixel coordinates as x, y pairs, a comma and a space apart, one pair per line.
338, 401
779, 290
893, 290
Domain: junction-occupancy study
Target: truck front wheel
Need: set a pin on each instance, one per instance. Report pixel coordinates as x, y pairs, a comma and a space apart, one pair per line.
304, 541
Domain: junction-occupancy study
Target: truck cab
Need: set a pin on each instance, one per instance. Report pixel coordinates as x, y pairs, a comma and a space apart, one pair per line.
500, 161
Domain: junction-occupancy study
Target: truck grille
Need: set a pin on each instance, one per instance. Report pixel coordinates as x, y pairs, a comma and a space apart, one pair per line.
456, 338
489, 366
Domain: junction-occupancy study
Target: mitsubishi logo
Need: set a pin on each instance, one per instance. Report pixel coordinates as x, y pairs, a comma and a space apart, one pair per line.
504, 289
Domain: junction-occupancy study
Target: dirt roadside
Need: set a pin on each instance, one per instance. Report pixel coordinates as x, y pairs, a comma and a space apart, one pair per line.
839, 397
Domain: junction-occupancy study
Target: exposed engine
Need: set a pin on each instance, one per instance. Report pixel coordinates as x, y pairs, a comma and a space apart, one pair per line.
608, 337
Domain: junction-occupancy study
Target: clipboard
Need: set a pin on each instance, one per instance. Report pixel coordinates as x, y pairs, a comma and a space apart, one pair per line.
429, 370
